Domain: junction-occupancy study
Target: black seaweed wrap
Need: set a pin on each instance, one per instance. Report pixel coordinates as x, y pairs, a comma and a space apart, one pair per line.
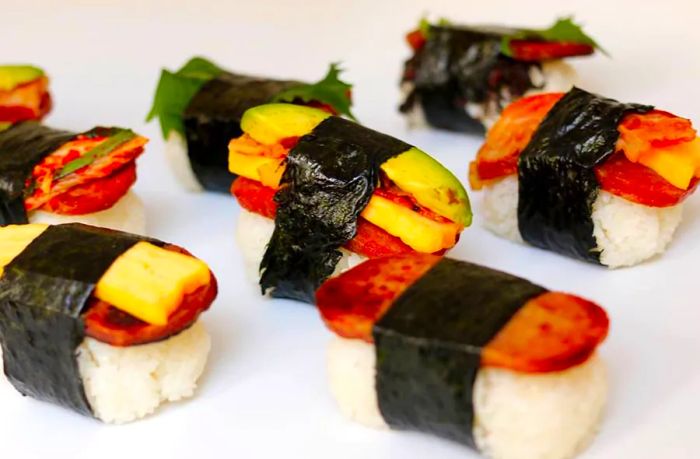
43, 292
429, 345
557, 181
213, 118
459, 65
330, 176
22, 147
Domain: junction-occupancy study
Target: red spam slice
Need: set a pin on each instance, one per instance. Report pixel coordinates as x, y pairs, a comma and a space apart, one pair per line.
637, 183
536, 51
373, 242
351, 303
254, 196
551, 332
110, 325
95, 196
370, 240
498, 156
28, 101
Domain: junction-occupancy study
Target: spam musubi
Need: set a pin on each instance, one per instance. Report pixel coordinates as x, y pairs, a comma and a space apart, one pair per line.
24, 94
461, 77
107, 325
200, 108
319, 193
466, 353
54, 176
587, 176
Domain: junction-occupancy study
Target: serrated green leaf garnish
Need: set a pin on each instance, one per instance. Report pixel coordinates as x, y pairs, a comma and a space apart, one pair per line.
122, 136
563, 30
424, 25
330, 90
175, 90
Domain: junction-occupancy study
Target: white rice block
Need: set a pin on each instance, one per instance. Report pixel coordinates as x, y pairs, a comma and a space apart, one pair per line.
253, 232
128, 214
554, 76
516, 415
626, 233
629, 233
179, 161
415, 118
123, 384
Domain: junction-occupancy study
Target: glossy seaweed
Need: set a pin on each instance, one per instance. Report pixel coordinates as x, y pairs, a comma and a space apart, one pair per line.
330, 176
213, 118
429, 345
21, 148
557, 182
43, 293
459, 65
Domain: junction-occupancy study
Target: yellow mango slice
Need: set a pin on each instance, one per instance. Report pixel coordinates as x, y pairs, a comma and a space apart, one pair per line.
150, 282
677, 164
248, 165
14, 239
420, 233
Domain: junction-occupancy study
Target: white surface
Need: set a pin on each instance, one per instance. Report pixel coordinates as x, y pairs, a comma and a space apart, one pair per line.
264, 393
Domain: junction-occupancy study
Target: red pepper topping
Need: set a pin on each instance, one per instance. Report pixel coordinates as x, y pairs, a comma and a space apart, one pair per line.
416, 39
94, 196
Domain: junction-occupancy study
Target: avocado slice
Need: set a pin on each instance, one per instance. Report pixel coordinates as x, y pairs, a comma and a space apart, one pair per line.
270, 123
14, 75
431, 184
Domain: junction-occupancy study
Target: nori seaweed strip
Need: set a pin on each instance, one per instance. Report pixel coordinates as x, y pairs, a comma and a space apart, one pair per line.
43, 292
330, 176
428, 345
557, 182
459, 65
21, 148
213, 118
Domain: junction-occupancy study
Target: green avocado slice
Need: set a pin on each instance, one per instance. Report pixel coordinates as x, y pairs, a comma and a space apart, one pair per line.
12, 76
270, 123
431, 184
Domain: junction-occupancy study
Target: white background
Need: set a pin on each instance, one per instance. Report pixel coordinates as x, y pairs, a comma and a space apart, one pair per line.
264, 393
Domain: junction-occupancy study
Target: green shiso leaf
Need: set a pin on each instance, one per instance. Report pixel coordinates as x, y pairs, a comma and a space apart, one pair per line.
564, 29
5, 126
120, 137
330, 90
175, 90
424, 25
